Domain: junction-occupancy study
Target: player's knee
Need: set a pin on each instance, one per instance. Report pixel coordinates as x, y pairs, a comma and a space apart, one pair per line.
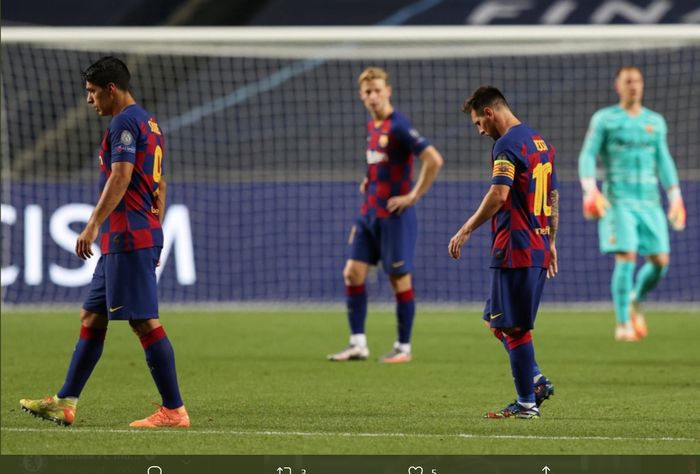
92, 320
352, 276
142, 327
517, 338
660, 260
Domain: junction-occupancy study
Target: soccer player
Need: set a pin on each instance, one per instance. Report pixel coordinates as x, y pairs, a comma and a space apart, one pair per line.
523, 205
631, 142
128, 217
386, 229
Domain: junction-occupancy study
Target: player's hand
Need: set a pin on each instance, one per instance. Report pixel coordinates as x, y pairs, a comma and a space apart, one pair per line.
676, 214
363, 186
595, 205
457, 242
398, 204
83, 246
553, 268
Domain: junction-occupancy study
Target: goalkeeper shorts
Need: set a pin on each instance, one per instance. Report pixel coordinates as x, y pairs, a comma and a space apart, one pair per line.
628, 230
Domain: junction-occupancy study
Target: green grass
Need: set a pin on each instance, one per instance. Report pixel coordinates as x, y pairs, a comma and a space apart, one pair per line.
257, 382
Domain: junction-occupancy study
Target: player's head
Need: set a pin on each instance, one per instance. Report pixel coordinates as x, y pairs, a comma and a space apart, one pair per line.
487, 106
629, 84
375, 91
106, 81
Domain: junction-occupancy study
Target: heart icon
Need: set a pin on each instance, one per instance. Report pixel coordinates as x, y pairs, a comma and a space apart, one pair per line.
415, 470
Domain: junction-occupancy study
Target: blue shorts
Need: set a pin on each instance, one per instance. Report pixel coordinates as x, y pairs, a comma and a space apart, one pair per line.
391, 240
124, 285
515, 297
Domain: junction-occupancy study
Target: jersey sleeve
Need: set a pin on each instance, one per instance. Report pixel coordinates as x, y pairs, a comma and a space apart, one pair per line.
504, 165
667, 168
123, 135
592, 145
410, 138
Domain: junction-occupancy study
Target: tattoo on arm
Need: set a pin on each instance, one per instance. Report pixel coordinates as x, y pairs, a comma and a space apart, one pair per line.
554, 218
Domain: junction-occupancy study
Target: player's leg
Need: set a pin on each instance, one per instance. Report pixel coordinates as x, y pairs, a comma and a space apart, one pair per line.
160, 359
61, 407
543, 386
363, 253
515, 299
621, 288
654, 244
354, 276
398, 248
618, 235
405, 314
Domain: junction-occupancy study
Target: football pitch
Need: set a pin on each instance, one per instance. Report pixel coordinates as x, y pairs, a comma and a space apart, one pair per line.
257, 382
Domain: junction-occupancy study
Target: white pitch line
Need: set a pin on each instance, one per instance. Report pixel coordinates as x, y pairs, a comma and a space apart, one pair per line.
190, 432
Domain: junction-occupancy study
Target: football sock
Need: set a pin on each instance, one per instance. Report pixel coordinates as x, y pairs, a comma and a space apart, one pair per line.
536, 372
647, 278
621, 286
356, 298
160, 358
405, 313
85, 356
522, 360
358, 340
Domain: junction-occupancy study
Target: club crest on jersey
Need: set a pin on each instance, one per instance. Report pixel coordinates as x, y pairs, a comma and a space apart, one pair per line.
375, 156
126, 138
383, 140
649, 128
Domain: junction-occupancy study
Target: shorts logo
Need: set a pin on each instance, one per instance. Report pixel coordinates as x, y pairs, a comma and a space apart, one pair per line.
494, 316
112, 310
398, 264
612, 239
351, 237
126, 138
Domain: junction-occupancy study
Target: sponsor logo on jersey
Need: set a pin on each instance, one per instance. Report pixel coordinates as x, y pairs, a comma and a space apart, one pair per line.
375, 156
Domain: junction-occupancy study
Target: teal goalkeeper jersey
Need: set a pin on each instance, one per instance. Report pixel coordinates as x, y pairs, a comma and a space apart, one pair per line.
634, 155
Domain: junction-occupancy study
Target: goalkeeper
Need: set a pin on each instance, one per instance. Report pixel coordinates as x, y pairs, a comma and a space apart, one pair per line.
631, 142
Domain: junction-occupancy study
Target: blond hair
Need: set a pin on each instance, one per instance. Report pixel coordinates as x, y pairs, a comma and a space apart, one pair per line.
372, 73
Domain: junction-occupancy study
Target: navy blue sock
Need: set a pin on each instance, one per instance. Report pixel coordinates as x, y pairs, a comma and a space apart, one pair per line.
502, 337
405, 313
522, 361
85, 356
160, 358
357, 308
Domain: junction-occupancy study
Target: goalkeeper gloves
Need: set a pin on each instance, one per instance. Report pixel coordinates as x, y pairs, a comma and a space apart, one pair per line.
676, 209
595, 205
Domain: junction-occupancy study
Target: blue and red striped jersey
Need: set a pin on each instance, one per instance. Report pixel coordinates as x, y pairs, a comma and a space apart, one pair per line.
392, 145
133, 136
523, 160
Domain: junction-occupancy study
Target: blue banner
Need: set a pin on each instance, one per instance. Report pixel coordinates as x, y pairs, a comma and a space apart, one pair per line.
287, 241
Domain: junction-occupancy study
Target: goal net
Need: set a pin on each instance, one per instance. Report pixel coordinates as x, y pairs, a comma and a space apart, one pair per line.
265, 140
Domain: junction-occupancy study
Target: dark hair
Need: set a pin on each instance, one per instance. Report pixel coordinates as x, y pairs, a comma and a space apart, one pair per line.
484, 96
106, 70
626, 67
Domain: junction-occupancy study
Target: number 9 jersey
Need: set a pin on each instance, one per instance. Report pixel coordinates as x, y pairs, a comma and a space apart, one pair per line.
133, 136
523, 160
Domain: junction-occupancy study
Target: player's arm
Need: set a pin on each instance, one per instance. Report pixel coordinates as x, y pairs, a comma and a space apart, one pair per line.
492, 202
594, 203
113, 192
432, 162
160, 198
669, 179
553, 228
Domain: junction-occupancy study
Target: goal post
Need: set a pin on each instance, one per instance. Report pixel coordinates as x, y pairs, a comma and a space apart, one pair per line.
265, 140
